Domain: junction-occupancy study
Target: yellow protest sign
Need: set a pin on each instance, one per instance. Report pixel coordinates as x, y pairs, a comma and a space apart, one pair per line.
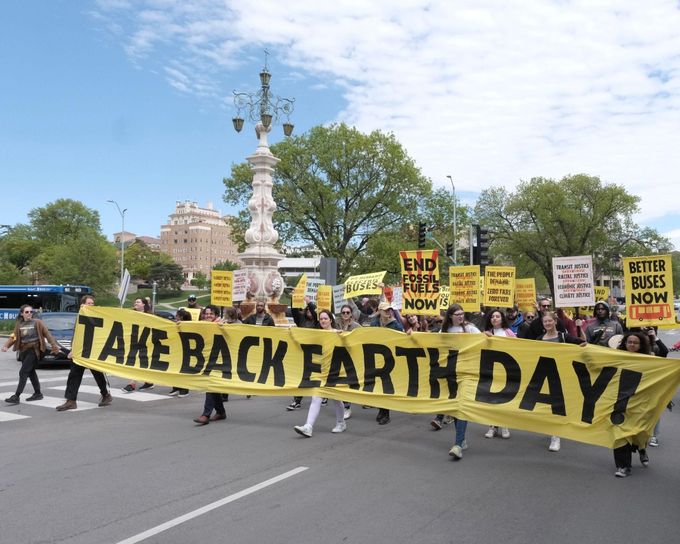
591, 394
649, 290
324, 297
420, 282
221, 285
298, 296
525, 294
364, 284
464, 287
444, 292
499, 286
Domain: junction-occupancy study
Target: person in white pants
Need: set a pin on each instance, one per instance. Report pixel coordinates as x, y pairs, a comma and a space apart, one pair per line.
326, 323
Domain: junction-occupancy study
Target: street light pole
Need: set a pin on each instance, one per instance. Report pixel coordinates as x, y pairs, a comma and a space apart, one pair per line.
455, 231
122, 239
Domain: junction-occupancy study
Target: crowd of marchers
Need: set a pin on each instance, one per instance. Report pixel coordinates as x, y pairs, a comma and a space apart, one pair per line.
31, 337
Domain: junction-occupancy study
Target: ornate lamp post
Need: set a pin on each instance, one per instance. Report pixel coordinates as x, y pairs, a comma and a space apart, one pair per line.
260, 258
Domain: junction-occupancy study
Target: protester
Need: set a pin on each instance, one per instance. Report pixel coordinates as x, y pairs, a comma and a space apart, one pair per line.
326, 323
455, 322
213, 401
496, 324
305, 319
536, 327
139, 305
181, 315
193, 308
385, 317
28, 339
75, 377
636, 342
517, 322
552, 334
348, 323
602, 328
260, 317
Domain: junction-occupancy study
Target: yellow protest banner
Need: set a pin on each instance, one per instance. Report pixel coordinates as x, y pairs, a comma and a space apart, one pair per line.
324, 297
591, 394
525, 294
298, 296
221, 285
649, 290
364, 284
499, 286
420, 282
464, 287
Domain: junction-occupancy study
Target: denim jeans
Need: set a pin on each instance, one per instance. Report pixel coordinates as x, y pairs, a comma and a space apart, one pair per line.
461, 427
213, 401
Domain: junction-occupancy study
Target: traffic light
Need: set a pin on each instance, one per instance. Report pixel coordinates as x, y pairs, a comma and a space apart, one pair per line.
422, 228
481, 254
449, 249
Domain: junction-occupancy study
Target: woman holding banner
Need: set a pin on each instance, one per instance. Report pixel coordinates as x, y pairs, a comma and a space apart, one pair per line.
550, 322
637, 342
326, 323
306, 319
496, 324
454, 322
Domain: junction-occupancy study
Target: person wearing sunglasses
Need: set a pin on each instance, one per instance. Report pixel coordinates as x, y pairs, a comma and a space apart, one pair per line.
517, 322
347, 323
28, 339
536, 328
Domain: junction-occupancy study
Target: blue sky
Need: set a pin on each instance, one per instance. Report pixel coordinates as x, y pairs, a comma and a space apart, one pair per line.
114, 99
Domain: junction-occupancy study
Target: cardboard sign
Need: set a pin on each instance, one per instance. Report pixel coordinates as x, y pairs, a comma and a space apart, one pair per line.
573, 281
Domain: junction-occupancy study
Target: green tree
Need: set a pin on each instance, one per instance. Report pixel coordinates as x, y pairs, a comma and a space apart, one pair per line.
168, 275
199, 280
139, 258
87, 260
62, 243
336, 188
577, 215
63, 219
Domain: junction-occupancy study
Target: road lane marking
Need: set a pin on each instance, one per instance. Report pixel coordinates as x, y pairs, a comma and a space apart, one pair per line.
209, 507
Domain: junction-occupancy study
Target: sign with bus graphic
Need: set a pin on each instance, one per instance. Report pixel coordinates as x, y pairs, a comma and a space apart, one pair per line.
649, 290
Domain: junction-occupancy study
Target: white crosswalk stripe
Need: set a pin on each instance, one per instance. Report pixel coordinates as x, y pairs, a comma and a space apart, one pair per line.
10, 416
53, 402
137, 396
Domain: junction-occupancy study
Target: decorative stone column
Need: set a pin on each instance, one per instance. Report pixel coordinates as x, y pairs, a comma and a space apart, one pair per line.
260, 258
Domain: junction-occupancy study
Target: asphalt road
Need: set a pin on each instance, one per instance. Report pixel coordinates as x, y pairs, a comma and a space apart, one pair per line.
117, 474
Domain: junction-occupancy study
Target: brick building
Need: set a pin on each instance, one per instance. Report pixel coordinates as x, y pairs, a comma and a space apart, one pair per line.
197, 238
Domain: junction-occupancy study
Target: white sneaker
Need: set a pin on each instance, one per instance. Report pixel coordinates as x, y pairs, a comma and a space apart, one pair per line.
339, 428
505, 432
554, 443
654, 442
305, 430
348, 413
456, 451
491, 432
464, 445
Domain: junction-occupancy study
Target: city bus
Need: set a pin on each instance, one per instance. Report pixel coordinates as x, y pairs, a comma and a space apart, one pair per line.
44, 298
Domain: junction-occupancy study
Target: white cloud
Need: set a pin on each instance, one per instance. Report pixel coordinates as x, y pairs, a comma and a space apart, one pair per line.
490, 93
